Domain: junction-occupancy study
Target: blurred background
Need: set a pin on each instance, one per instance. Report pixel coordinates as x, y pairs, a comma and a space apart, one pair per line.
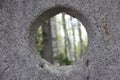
61, 40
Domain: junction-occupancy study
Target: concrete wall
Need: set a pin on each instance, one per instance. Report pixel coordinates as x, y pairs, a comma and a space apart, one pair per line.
20, 19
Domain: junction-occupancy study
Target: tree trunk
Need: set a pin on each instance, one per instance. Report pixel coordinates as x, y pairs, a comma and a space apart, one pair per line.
74, 40
47, 41
54, 38
65, 31
80, 38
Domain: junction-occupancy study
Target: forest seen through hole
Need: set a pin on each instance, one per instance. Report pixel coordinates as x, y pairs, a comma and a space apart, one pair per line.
61, 40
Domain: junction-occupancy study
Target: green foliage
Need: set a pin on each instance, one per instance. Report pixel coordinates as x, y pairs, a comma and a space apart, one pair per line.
39, 42
64, 60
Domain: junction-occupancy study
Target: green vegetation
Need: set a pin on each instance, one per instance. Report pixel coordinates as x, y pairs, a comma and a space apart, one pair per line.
39, 42
64, 60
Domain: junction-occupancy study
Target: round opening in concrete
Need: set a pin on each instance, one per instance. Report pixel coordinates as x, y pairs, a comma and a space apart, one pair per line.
43, 36
61, 39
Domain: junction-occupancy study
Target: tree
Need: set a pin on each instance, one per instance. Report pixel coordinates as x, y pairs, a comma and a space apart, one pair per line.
47, 51
74, 39
80, 38
54, 38
64, 27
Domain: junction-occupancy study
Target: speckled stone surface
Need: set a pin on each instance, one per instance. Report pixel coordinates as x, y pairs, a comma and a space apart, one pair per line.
20, 19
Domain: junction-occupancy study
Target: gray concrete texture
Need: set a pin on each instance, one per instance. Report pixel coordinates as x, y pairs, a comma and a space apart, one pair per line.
20, 19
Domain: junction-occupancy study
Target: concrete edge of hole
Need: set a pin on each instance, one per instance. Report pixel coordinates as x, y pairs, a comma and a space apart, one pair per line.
63, 70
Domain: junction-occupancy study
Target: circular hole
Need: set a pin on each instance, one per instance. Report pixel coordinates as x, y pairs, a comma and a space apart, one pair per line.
61, 39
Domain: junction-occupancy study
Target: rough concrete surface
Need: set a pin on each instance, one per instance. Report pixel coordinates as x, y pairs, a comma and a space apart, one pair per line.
20, 19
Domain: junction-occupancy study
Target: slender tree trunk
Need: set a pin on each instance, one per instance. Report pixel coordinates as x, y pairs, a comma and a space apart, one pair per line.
80, 38
54, 38
69, 46
67, 40
64, 27
47, 52
74, 40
